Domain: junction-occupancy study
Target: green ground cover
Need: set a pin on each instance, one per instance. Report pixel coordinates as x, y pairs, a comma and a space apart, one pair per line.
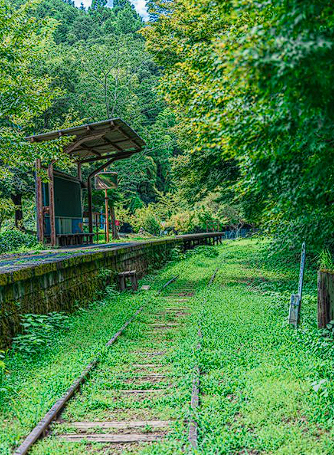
265, 388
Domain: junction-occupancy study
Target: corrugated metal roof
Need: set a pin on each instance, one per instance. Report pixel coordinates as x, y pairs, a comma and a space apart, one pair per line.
96, 141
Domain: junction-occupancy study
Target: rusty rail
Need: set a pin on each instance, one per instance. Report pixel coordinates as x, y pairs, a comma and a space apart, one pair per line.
41, 428
168, 282
194, 404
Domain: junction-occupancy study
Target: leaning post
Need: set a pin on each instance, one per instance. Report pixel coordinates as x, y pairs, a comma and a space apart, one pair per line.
296, 299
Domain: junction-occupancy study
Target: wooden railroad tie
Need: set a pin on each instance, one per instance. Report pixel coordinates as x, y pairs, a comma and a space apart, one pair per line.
119, 424
123, 278
112, 438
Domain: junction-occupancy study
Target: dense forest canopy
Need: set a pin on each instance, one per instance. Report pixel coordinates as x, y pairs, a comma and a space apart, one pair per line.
89, 65
234, 100
253, 85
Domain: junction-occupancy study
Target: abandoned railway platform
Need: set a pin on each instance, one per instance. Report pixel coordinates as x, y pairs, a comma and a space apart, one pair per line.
56, 280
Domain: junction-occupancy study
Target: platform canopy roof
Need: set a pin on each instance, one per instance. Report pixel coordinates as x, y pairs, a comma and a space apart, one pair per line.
97, 141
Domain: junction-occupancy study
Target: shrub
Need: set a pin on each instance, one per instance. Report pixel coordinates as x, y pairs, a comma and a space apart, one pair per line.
147, 219
206, 250
176, 254
325, 259
182, 222
38, 332
15, 239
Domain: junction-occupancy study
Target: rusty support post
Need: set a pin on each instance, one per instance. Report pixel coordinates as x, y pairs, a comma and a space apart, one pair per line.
106, 204
39, 203
52, 206
90, 210
89, 190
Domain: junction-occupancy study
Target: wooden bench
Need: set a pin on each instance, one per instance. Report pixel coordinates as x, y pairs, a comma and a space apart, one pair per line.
79, 238
124, 276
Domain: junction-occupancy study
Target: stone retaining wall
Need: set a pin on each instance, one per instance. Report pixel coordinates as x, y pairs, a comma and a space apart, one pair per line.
64, 285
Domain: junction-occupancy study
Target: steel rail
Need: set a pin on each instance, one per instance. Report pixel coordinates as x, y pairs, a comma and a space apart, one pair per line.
41, 428
213, 277
168, 282
194, 403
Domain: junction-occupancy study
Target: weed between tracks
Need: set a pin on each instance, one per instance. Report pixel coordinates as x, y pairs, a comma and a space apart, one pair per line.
265, 388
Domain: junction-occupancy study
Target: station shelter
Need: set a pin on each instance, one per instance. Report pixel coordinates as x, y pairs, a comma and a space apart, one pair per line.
59, 201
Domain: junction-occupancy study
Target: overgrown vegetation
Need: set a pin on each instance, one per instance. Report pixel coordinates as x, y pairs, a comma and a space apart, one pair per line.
252, 87
265, 387
68, 66
38, 332
237, 111
15, 240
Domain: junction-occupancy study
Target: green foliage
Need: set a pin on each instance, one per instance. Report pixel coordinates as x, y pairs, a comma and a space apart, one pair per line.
6, 210
23, 95
38, 332
252, 85
176, 215
264, 387
98, 4
325, 260
146, 219
14, 240
182, 222
25, 92
206, 251
3, 369
176, 254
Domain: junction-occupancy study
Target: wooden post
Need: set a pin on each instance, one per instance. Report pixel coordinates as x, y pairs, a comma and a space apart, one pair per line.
89, 191
52, 206
106, 203
114, 231
89, 196
79, 174
39, 203
325, 298
134, 281
97, 227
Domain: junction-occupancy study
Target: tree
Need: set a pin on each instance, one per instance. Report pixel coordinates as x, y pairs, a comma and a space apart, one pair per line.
98, 4
252, 86
23, 95
97, 65
104, 71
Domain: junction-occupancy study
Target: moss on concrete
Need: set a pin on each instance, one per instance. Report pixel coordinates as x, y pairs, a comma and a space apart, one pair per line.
62, 285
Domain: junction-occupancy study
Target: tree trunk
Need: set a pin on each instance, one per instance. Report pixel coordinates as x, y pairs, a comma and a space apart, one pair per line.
114, 231
17, 201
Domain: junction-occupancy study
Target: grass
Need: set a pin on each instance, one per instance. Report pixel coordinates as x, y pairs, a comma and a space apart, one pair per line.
131, 237
265, 387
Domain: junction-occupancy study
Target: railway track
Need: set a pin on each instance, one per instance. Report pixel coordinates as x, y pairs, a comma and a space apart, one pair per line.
134, 398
